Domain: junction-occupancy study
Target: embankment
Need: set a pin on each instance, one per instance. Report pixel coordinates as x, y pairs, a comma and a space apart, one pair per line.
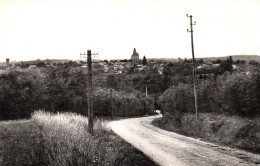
234, 131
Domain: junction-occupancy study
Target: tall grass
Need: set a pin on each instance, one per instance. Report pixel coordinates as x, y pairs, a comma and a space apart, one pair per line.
66, 139
67, 142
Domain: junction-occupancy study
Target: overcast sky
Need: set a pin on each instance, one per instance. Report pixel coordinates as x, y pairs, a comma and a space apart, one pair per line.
55, 29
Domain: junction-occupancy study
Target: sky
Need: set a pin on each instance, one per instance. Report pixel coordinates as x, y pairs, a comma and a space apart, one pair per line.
61, 29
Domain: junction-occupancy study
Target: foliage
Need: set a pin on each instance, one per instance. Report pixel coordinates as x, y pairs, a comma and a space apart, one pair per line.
64, 88
239, 93
111, 82
144, 62
124, 104
253, 62
17, 94
236, 93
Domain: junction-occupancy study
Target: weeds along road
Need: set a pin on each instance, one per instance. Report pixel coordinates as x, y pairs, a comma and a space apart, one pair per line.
171, 149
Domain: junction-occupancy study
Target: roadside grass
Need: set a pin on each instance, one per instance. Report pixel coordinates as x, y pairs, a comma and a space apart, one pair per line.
62, 139
234, 131
20, 143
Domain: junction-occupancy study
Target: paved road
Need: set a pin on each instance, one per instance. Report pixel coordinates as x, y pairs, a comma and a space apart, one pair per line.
171, 149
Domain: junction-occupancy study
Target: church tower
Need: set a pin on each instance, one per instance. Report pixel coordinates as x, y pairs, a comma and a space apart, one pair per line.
135, 58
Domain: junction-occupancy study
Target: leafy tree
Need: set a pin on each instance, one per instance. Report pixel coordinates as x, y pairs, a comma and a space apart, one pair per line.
41, 64
125, 60
201, 61
144, 61
170, 64
111, 82
231, 93
219, 61
253, 62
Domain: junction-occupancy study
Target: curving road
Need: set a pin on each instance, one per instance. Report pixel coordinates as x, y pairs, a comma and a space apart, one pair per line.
171, 149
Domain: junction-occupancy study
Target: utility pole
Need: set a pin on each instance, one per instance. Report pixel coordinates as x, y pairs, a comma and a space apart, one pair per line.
146, 92
90, 92
194, 66
112, 107
145, 107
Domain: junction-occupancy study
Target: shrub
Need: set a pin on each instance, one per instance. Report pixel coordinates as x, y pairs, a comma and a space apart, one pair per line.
177, 99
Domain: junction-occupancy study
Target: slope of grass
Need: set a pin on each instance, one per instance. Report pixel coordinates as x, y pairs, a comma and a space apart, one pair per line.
62, 139
235, 131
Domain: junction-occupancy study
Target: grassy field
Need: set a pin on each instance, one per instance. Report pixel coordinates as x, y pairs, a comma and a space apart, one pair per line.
21, 143
234, 131
62, 139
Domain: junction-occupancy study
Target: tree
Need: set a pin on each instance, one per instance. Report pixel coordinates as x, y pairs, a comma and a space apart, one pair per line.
144, 60
237, 62
253, 62
41, 64
201, 61
219, 61
170, 64
124, 60
111, 82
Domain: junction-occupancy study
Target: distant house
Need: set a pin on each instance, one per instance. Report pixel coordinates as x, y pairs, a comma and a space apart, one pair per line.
116, 66
106, 68
160, 69
127, 65
234, 67
209, 63
216, 65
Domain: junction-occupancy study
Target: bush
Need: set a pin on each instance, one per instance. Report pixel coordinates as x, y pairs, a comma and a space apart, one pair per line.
177, 99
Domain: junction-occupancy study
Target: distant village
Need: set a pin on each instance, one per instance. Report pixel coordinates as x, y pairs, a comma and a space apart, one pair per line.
117, 66
134, 64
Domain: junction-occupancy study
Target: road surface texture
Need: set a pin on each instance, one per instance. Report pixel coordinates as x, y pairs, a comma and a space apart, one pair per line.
171, 149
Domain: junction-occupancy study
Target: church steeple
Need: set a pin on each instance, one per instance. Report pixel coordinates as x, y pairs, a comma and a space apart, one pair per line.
134, 52
135, 57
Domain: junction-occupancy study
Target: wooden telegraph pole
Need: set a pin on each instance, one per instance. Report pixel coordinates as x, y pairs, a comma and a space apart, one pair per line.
112, 107
146, 92
194, 66
145, 104
90, 92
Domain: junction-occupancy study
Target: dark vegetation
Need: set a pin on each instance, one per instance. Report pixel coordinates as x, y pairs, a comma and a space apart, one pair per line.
63, 88
232, 94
